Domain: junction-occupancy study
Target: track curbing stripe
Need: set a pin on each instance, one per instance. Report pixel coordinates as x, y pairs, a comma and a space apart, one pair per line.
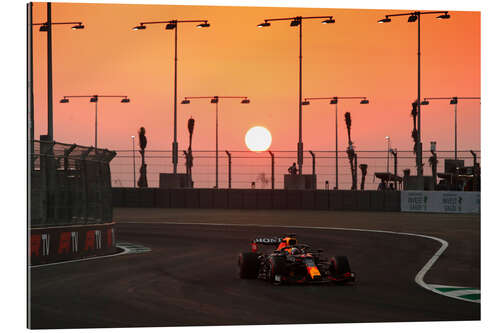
126, 247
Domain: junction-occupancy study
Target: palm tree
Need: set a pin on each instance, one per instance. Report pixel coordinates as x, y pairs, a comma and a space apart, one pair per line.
143, 142
189, 157
353, 158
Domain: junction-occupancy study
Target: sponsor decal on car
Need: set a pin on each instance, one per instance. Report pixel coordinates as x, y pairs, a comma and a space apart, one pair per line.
265, 240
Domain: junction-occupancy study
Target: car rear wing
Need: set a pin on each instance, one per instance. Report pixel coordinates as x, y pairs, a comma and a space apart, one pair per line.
265, 241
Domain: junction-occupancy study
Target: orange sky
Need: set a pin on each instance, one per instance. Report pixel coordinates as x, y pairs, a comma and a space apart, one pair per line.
353, 57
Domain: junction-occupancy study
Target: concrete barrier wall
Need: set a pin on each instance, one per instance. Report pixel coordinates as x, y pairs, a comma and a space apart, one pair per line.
54, 244
257, 199
206, 198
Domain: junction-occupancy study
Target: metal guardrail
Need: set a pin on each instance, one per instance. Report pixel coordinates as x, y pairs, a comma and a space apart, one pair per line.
69, 184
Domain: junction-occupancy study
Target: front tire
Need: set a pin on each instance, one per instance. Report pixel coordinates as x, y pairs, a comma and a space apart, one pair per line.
339, 265
248, 263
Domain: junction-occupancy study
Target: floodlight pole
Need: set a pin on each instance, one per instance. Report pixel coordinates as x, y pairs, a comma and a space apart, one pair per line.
336, 146
420, 171
453, 100
215, 100
50, 117
172, 24
31, 104
48, 28
334, 100
95, 99
217, 144
175, 147
95, 129
297, 20
415, 16
456, 131
300, 145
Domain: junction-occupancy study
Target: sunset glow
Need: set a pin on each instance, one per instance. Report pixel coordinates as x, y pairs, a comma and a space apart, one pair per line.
354, 56
258, 138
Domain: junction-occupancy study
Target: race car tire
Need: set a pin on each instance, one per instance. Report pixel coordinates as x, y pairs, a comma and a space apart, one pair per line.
339, 265
277, 266
249, 265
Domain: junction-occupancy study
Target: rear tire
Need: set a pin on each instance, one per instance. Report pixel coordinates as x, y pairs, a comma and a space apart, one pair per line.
248, 263
339, 265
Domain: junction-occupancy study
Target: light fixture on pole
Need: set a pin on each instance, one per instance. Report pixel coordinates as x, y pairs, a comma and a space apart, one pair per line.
172, 25
215, 100
415, 17
335, 101
294, 22
385, 20
95, 99
78, 26
453, 101
47, 27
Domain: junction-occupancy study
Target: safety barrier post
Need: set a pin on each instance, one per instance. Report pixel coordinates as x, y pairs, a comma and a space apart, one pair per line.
228, 168
272, 169
314, 162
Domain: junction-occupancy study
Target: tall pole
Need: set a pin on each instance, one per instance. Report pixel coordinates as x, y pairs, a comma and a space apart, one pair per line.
297, 21
95, 137
173, 25
334, 100
50, 130
217, 144
419, 144
336, 148
174, 144
300, 145
133, 155
453, 101
415, 16
31, 104
456, 131
215, 100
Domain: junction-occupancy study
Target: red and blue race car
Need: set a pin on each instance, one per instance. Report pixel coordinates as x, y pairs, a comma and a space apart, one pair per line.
282, 260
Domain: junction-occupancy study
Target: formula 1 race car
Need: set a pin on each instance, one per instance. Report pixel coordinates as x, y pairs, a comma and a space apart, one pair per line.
289, 262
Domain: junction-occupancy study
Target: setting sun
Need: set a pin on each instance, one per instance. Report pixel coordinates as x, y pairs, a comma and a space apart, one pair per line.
258, 138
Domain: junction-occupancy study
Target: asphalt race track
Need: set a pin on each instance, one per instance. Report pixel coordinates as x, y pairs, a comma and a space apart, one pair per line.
190, 278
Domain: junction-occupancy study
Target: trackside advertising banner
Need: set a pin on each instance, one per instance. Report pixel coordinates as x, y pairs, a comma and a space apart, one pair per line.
441, 201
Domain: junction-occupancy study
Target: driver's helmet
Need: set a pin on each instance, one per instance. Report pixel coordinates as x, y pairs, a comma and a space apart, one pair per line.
294, 251
287, 242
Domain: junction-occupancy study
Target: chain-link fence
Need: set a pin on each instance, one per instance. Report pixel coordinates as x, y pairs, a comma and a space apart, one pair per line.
255, 169
69, 184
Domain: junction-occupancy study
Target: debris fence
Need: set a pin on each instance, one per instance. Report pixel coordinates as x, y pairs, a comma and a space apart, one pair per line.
245, 169
69, 184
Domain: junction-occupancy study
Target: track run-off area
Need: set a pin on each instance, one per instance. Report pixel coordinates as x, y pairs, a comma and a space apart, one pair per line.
180, 268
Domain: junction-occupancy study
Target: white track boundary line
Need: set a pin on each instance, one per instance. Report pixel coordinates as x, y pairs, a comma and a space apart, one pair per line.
125, 251
419, 278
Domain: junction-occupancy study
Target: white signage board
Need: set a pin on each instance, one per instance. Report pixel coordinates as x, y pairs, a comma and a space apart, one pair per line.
441, 201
